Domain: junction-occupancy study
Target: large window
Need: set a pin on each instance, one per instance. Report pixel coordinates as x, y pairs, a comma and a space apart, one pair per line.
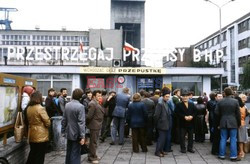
244, 26
188, 83
244, 43
57, 81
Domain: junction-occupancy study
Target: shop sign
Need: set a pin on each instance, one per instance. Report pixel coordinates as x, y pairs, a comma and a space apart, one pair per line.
123, 70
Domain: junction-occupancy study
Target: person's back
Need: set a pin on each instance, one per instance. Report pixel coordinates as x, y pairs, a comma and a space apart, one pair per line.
122, 100
73, 127
137, 114
229, 112
38, 129
156, 96
229, 115
74, 110
200, 109
38, 123
150, 106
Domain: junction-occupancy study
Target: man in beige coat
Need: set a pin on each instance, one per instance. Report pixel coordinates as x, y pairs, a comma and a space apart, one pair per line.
94, 123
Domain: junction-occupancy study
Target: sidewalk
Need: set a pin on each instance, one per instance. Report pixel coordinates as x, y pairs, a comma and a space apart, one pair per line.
123, 155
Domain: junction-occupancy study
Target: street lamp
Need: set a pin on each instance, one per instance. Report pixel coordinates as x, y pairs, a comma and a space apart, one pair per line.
220, 38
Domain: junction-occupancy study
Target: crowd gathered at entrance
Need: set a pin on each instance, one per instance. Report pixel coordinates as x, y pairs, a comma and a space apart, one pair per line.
92, 116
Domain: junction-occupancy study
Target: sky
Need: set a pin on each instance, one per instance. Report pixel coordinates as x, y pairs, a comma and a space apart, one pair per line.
168, 23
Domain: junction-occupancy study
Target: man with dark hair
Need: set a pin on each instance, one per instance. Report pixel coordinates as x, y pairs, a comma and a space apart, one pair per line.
228, 111
205, 98
52, 111
150, 106
62, 99
215, 125
94, 123
211, 105
190, 96
86, 98
110, 104
102, 102
186, 112
175, 129
50, 105
142, 92
73, 127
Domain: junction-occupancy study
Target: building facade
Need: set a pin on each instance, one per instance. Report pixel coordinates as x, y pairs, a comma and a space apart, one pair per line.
35, 42
129, 15
235, 46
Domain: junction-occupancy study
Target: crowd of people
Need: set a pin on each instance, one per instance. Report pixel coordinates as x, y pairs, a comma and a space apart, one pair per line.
92, 116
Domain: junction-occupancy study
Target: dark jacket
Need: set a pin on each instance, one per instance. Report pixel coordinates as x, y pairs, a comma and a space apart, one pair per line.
155, 99
110, 104
95, 115
73, 122
228, 111
182, 111
122, 101
176, 100
162, 116
137, 115
51, 107
200, 123
150, 106
211, 105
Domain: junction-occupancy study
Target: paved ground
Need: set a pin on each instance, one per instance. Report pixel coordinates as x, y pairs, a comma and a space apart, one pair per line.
123, 155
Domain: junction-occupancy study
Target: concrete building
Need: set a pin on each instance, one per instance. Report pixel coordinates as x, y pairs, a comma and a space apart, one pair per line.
19, 40
30, 43
130, 16
107, 42
236, 47
17, 47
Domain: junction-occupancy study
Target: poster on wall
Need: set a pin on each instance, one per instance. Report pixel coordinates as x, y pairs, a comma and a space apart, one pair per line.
8, 105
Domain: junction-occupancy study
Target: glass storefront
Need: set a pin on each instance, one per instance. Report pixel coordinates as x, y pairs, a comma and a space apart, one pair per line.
188, 83
150, 84
56, 81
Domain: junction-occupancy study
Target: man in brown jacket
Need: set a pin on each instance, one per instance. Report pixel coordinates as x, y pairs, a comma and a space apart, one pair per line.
94, 123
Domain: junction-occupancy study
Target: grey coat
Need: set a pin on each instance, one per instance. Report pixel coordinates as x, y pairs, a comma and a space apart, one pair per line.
62, 102
228, 111
122, 101
73, 122
162, 116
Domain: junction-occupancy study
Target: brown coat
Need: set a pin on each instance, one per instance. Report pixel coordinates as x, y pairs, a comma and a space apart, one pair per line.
95, 115
39, 123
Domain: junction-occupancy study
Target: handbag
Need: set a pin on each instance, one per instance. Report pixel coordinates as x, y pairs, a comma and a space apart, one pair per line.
84, 147
19, 128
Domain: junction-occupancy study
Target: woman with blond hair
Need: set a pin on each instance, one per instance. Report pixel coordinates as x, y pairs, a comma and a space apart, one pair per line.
242, 130
38, 132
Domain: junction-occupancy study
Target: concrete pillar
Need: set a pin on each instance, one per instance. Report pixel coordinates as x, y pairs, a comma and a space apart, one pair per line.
75, 81
206, 84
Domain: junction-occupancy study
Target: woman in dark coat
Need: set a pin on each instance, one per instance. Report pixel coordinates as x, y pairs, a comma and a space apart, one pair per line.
200, 123
137, 118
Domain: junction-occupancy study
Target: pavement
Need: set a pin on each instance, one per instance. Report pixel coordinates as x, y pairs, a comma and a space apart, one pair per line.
117, 154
